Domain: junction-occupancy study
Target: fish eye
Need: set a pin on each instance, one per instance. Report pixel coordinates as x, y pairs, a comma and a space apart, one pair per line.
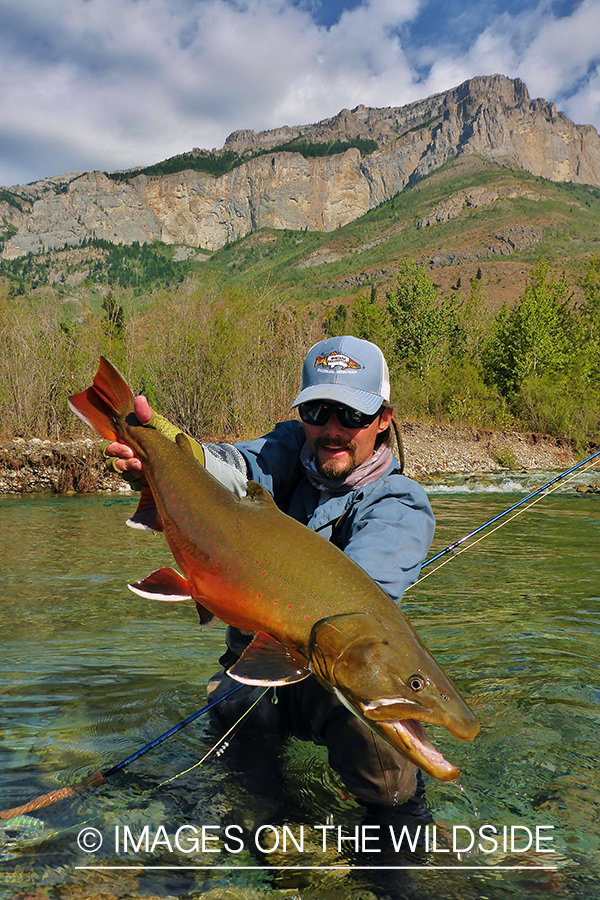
416, 682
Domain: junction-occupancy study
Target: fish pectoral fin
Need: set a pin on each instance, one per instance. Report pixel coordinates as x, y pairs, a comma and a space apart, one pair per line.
266, 661
255, 492
146, 515
163, 584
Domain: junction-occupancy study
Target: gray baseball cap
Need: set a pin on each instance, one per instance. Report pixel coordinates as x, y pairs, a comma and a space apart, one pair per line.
346, 370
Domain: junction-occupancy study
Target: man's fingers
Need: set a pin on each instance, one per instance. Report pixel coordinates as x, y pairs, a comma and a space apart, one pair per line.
128, 465
126, 460
123, 451
141, 407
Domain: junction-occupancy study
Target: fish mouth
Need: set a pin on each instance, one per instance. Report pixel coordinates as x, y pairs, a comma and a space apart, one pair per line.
385, 711
408, 736
399, 722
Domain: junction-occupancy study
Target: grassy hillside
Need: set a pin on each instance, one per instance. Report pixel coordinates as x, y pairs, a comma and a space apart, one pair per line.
491, 221
561, 224
481, 285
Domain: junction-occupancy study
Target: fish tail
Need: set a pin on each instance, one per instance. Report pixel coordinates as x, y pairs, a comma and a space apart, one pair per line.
106, 402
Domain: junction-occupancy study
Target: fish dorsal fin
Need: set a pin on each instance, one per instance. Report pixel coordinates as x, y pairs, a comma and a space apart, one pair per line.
266, 661
190, 446
183, 441
163, 584
255, 492
146, 516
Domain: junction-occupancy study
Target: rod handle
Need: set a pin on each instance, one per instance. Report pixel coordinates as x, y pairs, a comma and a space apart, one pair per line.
53, 797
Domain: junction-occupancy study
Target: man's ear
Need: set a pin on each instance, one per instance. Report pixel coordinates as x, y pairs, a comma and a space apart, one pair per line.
385, 419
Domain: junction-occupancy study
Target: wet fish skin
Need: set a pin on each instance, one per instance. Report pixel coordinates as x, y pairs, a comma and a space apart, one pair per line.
314, 609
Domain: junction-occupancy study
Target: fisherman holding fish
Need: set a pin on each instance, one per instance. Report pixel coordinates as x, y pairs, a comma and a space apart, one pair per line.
335, 472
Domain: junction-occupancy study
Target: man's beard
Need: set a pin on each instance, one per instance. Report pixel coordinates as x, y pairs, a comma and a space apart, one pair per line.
333, 469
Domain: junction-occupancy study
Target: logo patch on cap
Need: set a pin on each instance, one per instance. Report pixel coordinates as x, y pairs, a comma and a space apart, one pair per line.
337, 361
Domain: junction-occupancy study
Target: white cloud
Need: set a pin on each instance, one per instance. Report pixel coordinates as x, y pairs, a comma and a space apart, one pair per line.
555, 56
116, 83
584, 105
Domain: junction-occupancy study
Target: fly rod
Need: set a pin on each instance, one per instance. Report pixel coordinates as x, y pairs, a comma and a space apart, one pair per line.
100, 777
545, 487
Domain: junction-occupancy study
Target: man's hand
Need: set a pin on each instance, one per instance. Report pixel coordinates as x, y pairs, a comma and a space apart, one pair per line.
126, 460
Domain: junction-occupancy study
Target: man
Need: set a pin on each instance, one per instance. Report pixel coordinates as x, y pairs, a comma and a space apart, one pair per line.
335, 472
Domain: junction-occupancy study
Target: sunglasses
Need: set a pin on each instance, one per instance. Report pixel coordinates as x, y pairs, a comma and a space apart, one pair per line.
318, 412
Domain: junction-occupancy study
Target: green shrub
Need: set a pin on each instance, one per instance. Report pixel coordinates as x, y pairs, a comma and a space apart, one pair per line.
504, 456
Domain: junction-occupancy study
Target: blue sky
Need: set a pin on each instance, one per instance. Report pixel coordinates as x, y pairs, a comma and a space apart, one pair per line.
109, 84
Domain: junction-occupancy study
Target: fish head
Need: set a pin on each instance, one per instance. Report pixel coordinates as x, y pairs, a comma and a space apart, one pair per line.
381, 671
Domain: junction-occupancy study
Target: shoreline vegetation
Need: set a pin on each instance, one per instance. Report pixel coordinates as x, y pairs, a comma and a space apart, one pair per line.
475, 388
45, 466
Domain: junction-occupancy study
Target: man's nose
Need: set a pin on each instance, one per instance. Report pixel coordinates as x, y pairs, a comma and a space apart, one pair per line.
332, 426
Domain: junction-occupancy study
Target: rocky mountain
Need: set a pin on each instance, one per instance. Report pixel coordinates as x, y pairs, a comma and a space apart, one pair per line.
490, 117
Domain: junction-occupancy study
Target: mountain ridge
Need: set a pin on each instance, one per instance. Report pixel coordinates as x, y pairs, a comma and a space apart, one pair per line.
492, 117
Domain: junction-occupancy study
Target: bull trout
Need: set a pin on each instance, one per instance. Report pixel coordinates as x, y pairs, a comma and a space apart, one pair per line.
313, 609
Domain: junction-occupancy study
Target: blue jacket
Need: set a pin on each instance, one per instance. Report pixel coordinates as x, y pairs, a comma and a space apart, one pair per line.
386, 526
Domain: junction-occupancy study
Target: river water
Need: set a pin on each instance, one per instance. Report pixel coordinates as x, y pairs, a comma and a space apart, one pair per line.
90, 673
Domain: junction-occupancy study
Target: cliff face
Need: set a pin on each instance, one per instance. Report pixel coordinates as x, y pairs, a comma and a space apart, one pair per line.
492, 117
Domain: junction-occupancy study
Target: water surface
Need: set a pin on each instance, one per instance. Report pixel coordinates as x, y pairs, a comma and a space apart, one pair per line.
90, 673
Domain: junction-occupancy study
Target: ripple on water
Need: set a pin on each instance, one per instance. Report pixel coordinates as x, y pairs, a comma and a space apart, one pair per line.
92, 674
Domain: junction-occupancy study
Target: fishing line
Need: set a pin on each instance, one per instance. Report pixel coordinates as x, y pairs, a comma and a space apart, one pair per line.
538, 495
505, 512
219, 743
99, 778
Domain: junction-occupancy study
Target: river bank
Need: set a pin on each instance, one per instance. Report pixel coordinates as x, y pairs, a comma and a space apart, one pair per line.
28, 466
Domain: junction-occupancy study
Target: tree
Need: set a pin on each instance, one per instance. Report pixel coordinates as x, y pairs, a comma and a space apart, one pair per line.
115, 321
536, 337
590, 309
476, 321
370, 320
422, 325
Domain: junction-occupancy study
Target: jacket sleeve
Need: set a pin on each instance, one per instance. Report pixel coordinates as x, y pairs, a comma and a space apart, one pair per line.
389, 533
273, 460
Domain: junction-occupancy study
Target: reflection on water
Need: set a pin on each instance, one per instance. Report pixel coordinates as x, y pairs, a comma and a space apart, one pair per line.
91, 673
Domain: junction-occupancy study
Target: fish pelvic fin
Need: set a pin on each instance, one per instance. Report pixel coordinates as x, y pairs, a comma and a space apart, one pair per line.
108, 399
268, 662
